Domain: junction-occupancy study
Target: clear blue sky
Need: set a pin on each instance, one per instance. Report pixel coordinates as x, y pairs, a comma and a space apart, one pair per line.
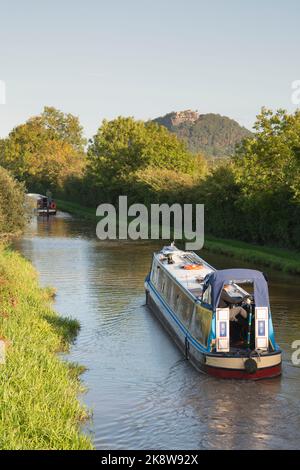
100, 59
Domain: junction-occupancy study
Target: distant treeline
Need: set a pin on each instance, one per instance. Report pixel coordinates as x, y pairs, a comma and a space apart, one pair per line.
253, 196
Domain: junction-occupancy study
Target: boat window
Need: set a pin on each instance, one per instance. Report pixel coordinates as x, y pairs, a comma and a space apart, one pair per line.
168, 289
173, 292
178, 301
184, 308
163, 279
160, 280
206, 297
155, 273
201, 324
174, 297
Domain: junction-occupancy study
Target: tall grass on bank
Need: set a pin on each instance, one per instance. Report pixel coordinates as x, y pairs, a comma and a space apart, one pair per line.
39, 408
87, 213
277, 258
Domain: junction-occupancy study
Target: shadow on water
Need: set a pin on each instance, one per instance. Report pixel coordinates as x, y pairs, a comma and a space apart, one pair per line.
142, 391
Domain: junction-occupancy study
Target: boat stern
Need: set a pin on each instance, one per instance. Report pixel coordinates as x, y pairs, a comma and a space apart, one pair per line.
254, 367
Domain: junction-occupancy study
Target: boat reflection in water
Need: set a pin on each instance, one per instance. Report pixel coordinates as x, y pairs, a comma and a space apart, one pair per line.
231, 338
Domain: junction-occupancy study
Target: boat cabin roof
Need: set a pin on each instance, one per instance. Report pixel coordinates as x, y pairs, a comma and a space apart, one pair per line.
187, 268
192, 272
36, 196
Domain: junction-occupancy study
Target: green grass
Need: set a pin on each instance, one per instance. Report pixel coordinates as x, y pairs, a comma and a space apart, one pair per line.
277, 258
83, 212
39, 406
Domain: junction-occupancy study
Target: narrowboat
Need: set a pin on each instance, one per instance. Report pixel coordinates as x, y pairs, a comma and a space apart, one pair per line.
42, 205
223, 329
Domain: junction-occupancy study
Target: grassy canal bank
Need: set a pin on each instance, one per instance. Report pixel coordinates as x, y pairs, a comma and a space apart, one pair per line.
39, 407
276, 258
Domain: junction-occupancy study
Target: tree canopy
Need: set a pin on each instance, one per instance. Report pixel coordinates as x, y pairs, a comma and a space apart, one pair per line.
256, 195
45, 150
12, 198
269, 162
125, 145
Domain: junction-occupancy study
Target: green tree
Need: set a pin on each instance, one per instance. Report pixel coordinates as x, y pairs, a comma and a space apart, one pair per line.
255, 196
64, 127
269, 162
124, 146
159, 185
45, 150
220, 193
12, 198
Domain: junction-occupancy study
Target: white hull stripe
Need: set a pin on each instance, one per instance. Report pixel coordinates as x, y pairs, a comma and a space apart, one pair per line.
238, 362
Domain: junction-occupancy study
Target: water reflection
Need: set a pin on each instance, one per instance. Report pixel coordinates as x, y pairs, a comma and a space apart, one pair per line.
143, 392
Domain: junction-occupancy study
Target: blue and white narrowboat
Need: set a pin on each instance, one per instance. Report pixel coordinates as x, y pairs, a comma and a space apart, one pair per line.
186, 294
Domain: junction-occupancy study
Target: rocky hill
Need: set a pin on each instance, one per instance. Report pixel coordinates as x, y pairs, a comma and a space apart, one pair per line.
212, 134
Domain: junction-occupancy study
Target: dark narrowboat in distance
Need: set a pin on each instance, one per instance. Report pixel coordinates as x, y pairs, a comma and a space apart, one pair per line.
42, 205
184, 292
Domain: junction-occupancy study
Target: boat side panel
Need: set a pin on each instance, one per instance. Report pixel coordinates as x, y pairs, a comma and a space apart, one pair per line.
190, 348
169, 323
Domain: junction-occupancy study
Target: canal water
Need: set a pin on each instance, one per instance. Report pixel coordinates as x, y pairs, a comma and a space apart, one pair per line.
143, 393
